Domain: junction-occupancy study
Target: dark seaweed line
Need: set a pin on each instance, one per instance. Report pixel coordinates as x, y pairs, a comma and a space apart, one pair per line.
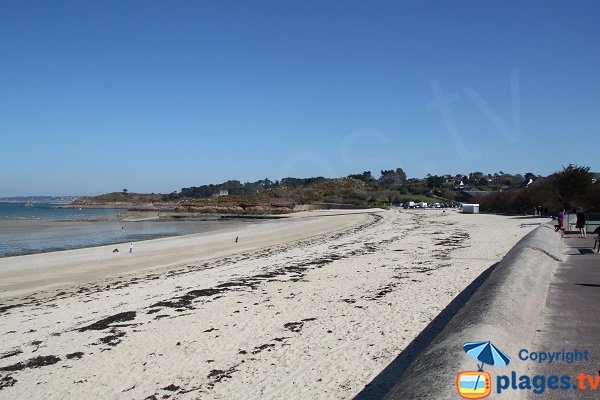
94, 288
184, 302
295, 271
249, 255
454, 241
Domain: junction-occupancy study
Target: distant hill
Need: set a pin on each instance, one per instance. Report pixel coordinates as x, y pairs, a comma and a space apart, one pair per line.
267, 197
356, 190
120, 197
38, 199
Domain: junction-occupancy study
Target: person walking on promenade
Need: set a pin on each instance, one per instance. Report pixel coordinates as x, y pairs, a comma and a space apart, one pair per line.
560, 219
580, 223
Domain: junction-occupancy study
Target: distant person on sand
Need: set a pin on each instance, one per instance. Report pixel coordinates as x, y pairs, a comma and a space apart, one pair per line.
580, 223
560, 219
236, 239
131, 247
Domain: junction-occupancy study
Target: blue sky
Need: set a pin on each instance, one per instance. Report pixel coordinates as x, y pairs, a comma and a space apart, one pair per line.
154, 95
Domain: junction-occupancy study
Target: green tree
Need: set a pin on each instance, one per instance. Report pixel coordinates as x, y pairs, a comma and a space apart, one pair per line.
365, 177
392, 179
573, 185
475, 177
434, 181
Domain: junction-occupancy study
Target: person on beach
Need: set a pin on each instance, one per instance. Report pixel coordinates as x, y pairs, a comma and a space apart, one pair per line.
580, 223
236, 239
560, 219
131, 247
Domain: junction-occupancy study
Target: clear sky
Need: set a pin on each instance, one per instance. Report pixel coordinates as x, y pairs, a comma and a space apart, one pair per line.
157, 95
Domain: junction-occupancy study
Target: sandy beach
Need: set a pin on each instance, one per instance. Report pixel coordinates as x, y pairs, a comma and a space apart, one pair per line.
311, 306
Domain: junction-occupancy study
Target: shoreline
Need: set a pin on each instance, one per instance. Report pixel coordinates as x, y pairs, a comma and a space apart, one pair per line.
42, 236
311, 308
100, 262
36, 225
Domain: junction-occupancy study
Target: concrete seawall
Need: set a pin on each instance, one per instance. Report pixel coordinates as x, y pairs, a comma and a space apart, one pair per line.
504, 310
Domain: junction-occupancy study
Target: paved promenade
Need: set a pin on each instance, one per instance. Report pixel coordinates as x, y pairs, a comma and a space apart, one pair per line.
571, 318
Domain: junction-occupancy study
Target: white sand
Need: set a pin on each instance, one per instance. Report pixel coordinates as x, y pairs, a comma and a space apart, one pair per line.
307, 308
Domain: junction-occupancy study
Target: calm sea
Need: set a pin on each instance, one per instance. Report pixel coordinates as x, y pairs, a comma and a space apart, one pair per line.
42, 228
46, 211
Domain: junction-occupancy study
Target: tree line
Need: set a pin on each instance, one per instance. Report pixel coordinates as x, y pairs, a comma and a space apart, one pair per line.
571, 188
394, 182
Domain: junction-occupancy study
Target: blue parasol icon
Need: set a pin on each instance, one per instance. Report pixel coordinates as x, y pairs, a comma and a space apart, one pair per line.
487, 353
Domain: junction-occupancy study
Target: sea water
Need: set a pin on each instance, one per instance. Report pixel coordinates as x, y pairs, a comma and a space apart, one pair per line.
49, 211
40, 228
